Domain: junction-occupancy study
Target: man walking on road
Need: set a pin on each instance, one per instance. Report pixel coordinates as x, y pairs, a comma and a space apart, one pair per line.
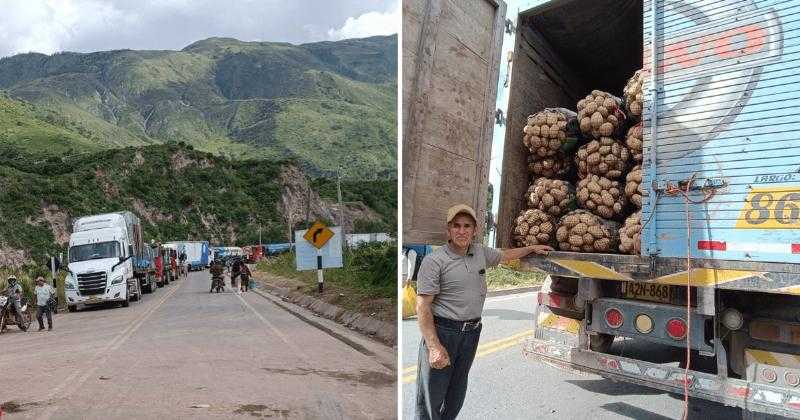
44, 293
451, 290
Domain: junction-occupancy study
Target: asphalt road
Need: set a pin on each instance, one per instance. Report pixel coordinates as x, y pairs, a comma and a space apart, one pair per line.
228, 355
504, 385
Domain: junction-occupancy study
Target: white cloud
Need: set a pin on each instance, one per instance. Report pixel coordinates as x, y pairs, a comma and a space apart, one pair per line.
48, 26
369, 24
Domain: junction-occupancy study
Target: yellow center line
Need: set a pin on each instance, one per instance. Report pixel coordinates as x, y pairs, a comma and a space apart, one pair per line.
410, 372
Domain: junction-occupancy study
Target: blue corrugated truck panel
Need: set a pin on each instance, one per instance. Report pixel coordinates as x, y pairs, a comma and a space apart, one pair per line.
726, 113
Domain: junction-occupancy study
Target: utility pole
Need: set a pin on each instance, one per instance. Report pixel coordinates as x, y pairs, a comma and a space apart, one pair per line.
259, 235
339, 195
308, 205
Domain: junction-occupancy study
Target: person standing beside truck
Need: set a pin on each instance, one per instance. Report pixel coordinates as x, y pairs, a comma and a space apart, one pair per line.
451, 290
44, 293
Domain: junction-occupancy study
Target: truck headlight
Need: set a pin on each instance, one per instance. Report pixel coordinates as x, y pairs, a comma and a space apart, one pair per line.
117, 280
69, 282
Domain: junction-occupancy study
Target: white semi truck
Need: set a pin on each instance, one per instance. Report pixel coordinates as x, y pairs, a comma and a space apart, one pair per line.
102, 251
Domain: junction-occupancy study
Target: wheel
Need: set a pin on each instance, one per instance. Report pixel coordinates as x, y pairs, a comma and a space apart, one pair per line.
23, 322
2, 321
72, 308
127, 301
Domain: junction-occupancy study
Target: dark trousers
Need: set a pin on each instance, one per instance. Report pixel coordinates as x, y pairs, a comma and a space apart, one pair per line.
441, 392
44, 310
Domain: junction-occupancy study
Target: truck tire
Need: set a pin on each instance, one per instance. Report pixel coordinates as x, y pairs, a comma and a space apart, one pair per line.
127, 301
72, 308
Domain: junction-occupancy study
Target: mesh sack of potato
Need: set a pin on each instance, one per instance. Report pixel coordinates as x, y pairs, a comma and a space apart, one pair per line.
550, 131
582, 231
630, 235
552, 196
632, 94
601, 196
634, 142
633, 186
599, 114
533, 227
605, 157
550, 167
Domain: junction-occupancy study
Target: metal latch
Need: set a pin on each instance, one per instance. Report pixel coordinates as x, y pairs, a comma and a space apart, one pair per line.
510, 28
499, 117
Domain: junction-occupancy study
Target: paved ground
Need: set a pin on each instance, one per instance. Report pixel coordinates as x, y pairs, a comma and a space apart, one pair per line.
503, 385
232, 355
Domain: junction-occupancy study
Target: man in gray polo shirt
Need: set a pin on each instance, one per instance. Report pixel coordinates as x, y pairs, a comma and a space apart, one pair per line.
451, 289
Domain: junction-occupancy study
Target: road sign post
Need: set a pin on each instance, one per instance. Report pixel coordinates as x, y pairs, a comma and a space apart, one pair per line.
318, 237
320, 276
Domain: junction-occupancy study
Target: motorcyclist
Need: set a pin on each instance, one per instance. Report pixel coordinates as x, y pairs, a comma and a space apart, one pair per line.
245, 278
182, 261
14, 293
216, 271
236, 270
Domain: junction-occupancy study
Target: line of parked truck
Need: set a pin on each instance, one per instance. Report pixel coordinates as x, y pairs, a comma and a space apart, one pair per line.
108, 260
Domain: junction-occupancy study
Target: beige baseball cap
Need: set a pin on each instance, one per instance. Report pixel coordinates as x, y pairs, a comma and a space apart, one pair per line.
454, 211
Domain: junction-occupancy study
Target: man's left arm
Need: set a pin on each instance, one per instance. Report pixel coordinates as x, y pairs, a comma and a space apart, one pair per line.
517, 253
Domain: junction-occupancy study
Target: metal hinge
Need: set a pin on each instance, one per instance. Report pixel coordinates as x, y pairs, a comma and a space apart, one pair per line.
510, 28
499, 117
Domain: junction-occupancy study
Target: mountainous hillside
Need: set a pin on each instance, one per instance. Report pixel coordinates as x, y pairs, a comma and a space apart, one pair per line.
322, 104
177, 192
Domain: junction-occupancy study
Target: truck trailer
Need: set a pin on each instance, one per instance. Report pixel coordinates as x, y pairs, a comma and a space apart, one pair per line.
197, 253
103, 254
717, 274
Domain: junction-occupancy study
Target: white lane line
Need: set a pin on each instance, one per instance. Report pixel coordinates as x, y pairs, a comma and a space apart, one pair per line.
512, 297
103, 354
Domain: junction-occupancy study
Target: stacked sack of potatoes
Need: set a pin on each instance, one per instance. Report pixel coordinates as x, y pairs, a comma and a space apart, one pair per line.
589, 199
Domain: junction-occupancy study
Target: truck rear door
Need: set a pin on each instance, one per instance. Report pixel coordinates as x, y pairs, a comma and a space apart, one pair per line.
451, 56
725, 115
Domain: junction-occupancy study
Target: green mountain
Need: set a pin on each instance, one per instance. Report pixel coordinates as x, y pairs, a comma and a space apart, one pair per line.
322, 104
177, 192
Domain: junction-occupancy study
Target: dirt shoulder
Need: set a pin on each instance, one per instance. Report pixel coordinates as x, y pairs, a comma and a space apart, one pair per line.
349, 299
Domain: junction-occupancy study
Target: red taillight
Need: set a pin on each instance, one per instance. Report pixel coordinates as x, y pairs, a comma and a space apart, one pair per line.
614, 318
769, 375
791, 378
676, 328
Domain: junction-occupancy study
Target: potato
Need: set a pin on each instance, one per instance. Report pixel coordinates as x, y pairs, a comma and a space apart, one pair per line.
601, 196
599, 114
546, 133
582, 231
533, 227
630, 235
605, 157
549, 167
552, 196
633, 186
632, 93
634, 142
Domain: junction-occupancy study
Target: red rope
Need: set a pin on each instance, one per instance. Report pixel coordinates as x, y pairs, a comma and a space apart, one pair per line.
672, 190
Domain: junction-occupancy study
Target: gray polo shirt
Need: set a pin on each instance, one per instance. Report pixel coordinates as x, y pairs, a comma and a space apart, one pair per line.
458, 283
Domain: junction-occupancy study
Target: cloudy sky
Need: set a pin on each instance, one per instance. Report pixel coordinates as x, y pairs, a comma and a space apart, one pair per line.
49, 26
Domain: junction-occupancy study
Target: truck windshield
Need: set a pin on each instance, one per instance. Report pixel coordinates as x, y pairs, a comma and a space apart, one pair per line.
94, 251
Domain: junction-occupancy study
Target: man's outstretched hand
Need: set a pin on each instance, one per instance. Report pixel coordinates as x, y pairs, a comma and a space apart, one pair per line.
541, 249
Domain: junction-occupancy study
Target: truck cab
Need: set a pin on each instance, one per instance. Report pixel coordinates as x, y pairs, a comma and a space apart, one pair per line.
100, 267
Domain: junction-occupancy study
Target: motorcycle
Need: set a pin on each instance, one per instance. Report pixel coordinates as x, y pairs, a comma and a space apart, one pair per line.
218, 283
8, 316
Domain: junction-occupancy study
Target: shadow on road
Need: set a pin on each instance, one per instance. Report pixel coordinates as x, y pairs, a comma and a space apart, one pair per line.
508, 314
630, 411
608, 387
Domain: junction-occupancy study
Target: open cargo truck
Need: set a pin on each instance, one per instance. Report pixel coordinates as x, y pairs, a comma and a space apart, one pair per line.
719, 112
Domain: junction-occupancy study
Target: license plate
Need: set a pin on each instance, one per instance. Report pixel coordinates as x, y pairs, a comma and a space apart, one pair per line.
647, 291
